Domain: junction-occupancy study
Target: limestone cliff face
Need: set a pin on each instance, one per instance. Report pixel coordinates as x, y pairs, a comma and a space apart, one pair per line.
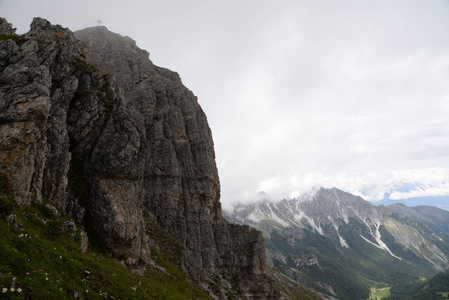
106, 135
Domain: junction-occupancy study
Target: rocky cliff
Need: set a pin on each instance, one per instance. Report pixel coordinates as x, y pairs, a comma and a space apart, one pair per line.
88, 122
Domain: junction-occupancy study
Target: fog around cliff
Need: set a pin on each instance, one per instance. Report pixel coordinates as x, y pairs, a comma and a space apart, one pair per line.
349, 94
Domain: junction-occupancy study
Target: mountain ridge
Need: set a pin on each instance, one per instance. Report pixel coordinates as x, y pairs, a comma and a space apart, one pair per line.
311, 237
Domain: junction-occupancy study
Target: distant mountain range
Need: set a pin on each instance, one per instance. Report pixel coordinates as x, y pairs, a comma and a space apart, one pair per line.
342, 245
410, 194
437, 201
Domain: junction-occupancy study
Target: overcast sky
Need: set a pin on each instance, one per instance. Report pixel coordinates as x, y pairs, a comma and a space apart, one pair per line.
352, 94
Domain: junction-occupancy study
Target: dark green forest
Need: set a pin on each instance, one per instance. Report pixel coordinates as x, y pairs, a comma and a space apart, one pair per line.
435, 288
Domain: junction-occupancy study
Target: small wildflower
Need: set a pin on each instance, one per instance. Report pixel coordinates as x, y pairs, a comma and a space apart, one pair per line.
12, 289
19, 290
60, 257
134, 288
20, 235
26, 235
4, 290
46, 278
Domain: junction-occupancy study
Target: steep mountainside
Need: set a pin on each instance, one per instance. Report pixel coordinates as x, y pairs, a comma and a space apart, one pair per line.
122, 147
342, 244
436, 288
433, 217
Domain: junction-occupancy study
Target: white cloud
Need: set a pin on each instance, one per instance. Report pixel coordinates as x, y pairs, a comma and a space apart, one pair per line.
298, 93
441, 190
376, 185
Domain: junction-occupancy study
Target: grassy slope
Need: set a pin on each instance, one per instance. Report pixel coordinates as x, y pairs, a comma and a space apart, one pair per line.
290, 289
43, 261
435, 288
383, 293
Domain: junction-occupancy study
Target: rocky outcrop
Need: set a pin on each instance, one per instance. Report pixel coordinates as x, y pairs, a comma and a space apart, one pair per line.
30, 107
107, 136
56, 111
6, 28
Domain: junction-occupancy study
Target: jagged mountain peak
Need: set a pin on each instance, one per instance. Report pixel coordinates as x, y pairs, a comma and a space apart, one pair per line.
326, 205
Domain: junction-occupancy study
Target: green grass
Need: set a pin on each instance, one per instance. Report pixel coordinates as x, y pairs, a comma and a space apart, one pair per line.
42, 261
82, 64
5, 37
382, 293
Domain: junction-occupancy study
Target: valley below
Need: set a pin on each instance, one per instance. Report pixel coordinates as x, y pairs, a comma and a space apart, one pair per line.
344, 247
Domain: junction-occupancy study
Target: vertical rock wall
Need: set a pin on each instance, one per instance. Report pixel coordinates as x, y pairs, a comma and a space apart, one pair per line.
180, 184
109, 138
